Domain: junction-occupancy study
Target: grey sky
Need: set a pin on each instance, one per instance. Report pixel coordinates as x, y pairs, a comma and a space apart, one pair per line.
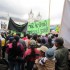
21, 8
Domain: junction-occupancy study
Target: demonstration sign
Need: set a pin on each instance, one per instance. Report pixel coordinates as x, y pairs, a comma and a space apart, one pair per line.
39, 27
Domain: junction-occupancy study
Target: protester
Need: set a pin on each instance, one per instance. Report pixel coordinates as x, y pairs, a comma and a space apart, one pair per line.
0, 49
27, 41
42, 50
34, 37
22, 41
35, 52
3, 45
61, 55
43, 36
48, 61
25, 37
15, 51
43, 42
31, 55
8, 44
46, 38
38, 42
49, 44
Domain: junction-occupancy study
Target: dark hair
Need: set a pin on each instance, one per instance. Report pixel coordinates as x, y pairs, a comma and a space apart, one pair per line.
14, 43
50, 43
16, 38
2, 34
53, 35
14, 47
35, 37
59, 41
38, 40
56, 35
43, 41
39, 36
29, 36
46, 34
18, 34
25, 34
49, 40
11, 39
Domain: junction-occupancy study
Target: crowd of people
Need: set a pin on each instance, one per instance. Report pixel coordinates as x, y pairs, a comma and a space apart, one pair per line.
34, 52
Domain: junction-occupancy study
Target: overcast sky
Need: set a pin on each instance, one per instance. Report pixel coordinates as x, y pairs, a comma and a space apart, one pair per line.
21, 8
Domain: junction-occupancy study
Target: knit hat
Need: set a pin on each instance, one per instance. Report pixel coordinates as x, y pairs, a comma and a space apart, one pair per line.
49, 53
43, 48
32, 42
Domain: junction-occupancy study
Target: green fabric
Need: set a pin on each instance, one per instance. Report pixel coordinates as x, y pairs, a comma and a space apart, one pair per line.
57, 28
39, 27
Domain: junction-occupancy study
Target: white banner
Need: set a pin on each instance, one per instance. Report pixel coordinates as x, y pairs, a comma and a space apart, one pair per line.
65, 25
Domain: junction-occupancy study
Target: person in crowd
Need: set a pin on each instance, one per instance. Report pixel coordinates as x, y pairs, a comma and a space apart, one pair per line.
48, 61
27, 41
42, 50
8, 36
46, 38
49, 44
38, 36
8, 43
43, 36
3, 35
31, 55
35, 36
0, 49
54, 36
3, 45
61, 55
22, 41
50, 35
25, 37
24, 46
15, 52
38, 42
43, 42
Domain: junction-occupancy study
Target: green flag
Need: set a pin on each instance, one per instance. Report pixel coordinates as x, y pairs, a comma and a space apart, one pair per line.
39, 27
57, 28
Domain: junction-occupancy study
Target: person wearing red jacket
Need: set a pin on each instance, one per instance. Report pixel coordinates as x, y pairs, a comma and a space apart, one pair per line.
15, 51
31, 55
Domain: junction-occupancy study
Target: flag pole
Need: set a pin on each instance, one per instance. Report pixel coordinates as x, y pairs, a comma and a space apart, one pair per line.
49, 12
49, 8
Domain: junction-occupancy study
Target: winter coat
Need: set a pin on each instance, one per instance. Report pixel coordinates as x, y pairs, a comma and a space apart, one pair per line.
48, 65
28, 56
23, 43
61, 56
13, 54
